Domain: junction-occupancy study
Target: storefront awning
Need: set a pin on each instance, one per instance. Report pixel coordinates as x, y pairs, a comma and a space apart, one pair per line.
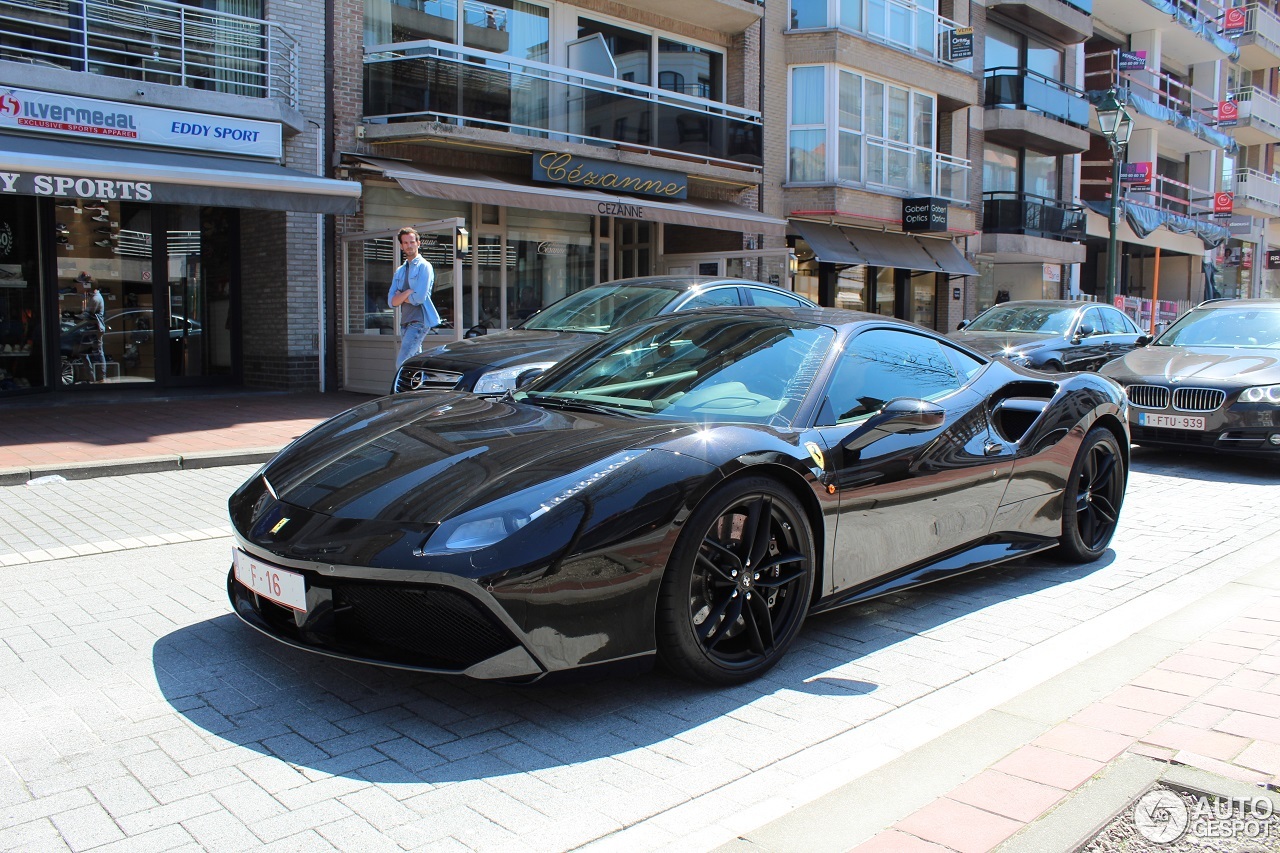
854, 246
116, 171
510, 191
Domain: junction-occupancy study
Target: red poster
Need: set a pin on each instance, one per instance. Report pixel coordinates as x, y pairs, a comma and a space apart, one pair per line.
1222, 204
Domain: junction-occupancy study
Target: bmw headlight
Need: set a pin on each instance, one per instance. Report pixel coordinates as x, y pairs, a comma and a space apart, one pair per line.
1262, 394
505, 378
493, 522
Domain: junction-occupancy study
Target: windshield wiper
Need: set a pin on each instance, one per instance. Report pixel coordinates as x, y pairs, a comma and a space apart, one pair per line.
570, 404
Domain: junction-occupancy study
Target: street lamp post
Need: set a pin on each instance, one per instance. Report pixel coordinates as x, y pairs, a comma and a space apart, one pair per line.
1117, 126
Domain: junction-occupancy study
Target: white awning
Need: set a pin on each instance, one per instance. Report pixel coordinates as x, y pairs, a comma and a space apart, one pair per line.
172, 178
510, 191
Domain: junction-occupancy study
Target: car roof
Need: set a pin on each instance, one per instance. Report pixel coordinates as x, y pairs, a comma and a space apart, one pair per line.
1060, 303
1272, 304
833, 317
687, 282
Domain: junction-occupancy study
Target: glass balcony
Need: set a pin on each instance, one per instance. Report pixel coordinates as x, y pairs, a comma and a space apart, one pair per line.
153, 41
1032, 215
438, 81
1024, 89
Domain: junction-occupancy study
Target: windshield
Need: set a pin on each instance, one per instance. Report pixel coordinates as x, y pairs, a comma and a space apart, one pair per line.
1225, 327
601, 308
1034, 319
706, 368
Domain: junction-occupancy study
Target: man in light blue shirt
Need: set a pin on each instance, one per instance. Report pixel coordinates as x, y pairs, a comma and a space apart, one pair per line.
411, 292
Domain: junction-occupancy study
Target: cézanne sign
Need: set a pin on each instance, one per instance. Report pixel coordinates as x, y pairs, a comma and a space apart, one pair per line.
115, 121
558, 168
924, 214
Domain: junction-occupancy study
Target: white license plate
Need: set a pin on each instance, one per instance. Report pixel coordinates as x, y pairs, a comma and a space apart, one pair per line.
272, 582
1170, 421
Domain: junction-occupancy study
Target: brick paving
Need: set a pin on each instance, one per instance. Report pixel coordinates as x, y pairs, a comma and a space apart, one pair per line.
37, 434
137, 714
1214, 706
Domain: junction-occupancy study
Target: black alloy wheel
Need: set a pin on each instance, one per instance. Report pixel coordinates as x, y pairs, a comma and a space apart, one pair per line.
738, 586
1093, 496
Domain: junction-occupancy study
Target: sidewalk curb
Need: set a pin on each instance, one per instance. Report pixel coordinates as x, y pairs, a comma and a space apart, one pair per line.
857, 811
138, 465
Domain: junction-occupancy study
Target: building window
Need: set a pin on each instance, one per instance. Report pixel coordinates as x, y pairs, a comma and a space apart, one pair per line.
882, 134
908, 26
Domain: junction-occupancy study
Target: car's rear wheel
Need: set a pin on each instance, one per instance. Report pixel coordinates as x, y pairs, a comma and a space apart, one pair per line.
1093, 496
738, 585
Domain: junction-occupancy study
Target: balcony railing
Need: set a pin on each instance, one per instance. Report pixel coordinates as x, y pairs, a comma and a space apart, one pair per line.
153, 41
431, 80
1262, 23
915, 171
1258, 107
1161, 88
1252, 184
1033, 215
1031, 90
1165, 193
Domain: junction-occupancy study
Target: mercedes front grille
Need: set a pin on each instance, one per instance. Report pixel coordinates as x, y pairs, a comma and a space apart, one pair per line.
425, 379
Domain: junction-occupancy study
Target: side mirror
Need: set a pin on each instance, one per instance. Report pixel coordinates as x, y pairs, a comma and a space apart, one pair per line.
528, 376
902, 415
476, 331
1084, 331
963, 324
1143, 340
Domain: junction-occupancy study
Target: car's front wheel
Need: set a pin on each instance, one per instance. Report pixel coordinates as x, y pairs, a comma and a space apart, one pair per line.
1093, 496
738, 585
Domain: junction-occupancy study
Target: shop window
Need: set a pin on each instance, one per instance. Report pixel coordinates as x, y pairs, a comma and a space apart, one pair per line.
23, 347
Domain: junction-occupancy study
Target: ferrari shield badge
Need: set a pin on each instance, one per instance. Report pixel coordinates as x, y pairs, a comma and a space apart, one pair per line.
815, 453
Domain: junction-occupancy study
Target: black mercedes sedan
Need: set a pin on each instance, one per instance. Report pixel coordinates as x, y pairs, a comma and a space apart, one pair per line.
1211, 381
1052, 334
687, 490
500, 361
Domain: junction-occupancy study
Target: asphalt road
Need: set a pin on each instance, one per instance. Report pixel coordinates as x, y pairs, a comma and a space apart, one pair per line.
137, 714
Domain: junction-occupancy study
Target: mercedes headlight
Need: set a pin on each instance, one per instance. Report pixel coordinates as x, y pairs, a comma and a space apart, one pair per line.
1262, 394
505, 378
493, 522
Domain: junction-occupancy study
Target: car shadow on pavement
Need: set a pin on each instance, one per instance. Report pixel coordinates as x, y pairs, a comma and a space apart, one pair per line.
1207, 466
385, 725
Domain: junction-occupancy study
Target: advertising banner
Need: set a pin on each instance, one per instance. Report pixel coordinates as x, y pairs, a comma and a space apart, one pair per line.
1133, 60
1233, 21
1136, 175
1228, 113
134, 124
1222, 204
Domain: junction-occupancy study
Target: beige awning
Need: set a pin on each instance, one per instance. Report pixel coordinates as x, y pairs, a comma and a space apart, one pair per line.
510, 191
854, 246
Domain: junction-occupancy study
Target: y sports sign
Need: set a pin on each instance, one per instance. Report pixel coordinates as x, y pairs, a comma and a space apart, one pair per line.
44, 112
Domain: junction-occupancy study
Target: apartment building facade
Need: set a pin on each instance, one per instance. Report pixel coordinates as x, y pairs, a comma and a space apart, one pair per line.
176, 154
540, 148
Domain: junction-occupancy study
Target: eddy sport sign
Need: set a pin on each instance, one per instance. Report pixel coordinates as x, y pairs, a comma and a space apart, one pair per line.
88, 118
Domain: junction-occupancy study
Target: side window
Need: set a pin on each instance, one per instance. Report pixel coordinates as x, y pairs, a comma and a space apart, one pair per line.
966, 365
1117, 323
882, 364
714, 298
779, 298
1093, 317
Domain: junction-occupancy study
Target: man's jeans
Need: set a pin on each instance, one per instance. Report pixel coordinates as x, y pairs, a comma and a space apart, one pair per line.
411, 341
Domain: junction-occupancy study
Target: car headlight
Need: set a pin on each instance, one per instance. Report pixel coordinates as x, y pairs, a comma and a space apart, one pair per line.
493, 522
505, 378
1262, 394
1017, 358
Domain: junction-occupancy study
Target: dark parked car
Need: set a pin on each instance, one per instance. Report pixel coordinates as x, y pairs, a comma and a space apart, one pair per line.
499, 361
1211, 381
1052, 334
688, 489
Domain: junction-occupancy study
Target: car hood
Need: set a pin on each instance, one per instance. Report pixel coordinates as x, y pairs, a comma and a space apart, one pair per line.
1212, 365
995, 343
423, 458
502, 349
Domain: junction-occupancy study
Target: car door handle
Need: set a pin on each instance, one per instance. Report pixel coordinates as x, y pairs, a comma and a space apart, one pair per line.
993, 448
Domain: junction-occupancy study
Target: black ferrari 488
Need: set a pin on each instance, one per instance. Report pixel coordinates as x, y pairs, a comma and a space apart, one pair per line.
688, 489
